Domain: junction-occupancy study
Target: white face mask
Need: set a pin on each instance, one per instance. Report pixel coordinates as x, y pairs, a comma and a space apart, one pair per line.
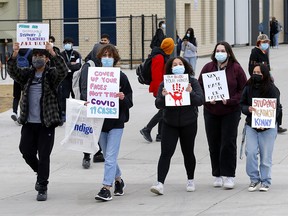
163, 26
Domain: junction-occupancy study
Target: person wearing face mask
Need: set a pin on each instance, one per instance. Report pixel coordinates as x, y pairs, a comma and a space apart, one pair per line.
73, 60
222, 117
112, 129
159, 35
39, 109
189, 48
259, 54
105, 39
259, 141
159, 59
179, 122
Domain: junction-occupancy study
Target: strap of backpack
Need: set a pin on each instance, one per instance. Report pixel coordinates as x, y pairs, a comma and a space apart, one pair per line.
27, 53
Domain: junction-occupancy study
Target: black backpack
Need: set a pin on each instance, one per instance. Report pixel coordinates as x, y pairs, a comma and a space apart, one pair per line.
143, 71
22, 61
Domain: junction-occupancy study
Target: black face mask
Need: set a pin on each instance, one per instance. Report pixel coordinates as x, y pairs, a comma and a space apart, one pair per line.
257, 78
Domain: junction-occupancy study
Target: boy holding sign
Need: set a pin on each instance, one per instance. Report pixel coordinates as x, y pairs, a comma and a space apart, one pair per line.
260, 102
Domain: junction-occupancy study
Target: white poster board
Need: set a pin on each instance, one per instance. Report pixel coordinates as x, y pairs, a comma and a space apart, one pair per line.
176, 87
32, 35
265, 114
103, 85
215, 86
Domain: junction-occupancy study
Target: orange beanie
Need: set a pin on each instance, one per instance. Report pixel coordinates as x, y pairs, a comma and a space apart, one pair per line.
167, 46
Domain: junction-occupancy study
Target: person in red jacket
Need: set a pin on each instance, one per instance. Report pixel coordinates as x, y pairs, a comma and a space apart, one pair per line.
159, 58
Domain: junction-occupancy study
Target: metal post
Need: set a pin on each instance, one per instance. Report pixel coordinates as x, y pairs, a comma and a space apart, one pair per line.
131, 42
285, 23
254, 21
266, 21
142, 35
220, 20
170, 8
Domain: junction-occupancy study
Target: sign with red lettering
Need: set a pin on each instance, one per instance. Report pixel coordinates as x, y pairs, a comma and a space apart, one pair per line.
102, 87
215, 86
32, 35
176, 87
264, 114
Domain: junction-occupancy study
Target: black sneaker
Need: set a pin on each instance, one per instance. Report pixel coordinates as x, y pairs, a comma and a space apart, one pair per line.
119, 188
158, 138
104, 195
146, 134
42, 195
86, 163
98, 157
264, 188
253, 186
281, 130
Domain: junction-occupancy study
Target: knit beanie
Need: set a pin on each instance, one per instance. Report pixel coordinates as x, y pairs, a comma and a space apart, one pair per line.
167, 46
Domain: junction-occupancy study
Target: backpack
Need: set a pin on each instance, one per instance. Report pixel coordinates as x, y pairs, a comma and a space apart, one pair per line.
22, 61
143, 71
279, 27
76, 80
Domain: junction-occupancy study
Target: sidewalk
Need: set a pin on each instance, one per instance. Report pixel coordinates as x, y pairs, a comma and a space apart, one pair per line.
72, 189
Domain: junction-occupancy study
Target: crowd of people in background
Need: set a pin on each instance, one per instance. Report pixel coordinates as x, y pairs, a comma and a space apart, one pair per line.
221, 117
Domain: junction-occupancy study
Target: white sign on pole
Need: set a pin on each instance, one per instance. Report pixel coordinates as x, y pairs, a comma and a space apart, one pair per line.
265, 114
102, 87
32, 35
215, 86
176, 87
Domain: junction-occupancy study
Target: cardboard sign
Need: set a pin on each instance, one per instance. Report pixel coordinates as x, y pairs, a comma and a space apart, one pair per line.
103, 85
32, 35
215, 86
176, 87
265, 114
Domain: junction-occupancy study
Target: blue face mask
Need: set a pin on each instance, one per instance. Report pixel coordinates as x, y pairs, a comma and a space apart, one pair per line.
107, 62
221, 56
179, 69
264, 46
188, 35
163, 26
68, 46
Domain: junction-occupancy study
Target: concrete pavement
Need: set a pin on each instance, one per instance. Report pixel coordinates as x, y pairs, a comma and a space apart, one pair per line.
72, 189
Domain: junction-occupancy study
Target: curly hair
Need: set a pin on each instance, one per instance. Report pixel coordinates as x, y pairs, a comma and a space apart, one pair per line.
111, 49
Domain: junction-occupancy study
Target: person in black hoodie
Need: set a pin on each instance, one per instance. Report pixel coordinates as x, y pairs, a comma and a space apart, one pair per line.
159, 35
73, 60
179, 122
259, 54
259, 141
112, 129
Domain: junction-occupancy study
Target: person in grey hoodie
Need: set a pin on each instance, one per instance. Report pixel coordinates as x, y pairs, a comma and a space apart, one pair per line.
189, 47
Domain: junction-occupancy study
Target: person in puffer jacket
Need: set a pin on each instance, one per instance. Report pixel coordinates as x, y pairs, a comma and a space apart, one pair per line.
179, 122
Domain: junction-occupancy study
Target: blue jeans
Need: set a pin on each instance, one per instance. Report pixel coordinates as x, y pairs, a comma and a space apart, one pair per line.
192, 62
261, 143
276, 39
110, 145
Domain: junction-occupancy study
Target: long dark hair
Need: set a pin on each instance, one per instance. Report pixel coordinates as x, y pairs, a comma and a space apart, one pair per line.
188, 67
192, 38
230, 54
266, 82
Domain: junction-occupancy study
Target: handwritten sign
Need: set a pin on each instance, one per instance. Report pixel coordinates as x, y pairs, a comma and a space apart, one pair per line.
176, 87
103, 85
215, 86
265, 114
32, 35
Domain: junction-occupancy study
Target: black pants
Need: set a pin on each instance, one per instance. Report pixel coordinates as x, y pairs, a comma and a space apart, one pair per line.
16, 96
36, 138
170, 136
66, 90
221, 132
156, 119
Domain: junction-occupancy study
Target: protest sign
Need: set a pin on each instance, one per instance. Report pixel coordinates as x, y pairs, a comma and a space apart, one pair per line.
32, 35
176, 87
265, 114
215, 86
103, 85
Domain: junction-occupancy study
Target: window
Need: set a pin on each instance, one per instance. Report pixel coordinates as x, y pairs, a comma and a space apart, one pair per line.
70, 24
34, 10
108, 19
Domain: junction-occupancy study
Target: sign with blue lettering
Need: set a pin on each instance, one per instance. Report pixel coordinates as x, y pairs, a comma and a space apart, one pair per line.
32, 35
215, 86
264, 112
102, 89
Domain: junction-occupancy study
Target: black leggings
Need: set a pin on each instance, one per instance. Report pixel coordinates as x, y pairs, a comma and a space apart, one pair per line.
170, 136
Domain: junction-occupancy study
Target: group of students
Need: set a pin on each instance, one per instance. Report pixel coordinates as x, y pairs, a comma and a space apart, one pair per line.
40, 114
221, 117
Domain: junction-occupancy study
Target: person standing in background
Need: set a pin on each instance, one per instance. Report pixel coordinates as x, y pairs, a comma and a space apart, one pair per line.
159, 35
189, 48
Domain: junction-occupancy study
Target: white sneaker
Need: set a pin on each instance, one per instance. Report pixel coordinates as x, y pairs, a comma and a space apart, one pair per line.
229, 183
218, 182
14, 117
190, 185
157, 189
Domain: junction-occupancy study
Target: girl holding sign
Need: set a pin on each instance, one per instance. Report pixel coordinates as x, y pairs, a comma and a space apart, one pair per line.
179, 122
259, 141
222, 115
